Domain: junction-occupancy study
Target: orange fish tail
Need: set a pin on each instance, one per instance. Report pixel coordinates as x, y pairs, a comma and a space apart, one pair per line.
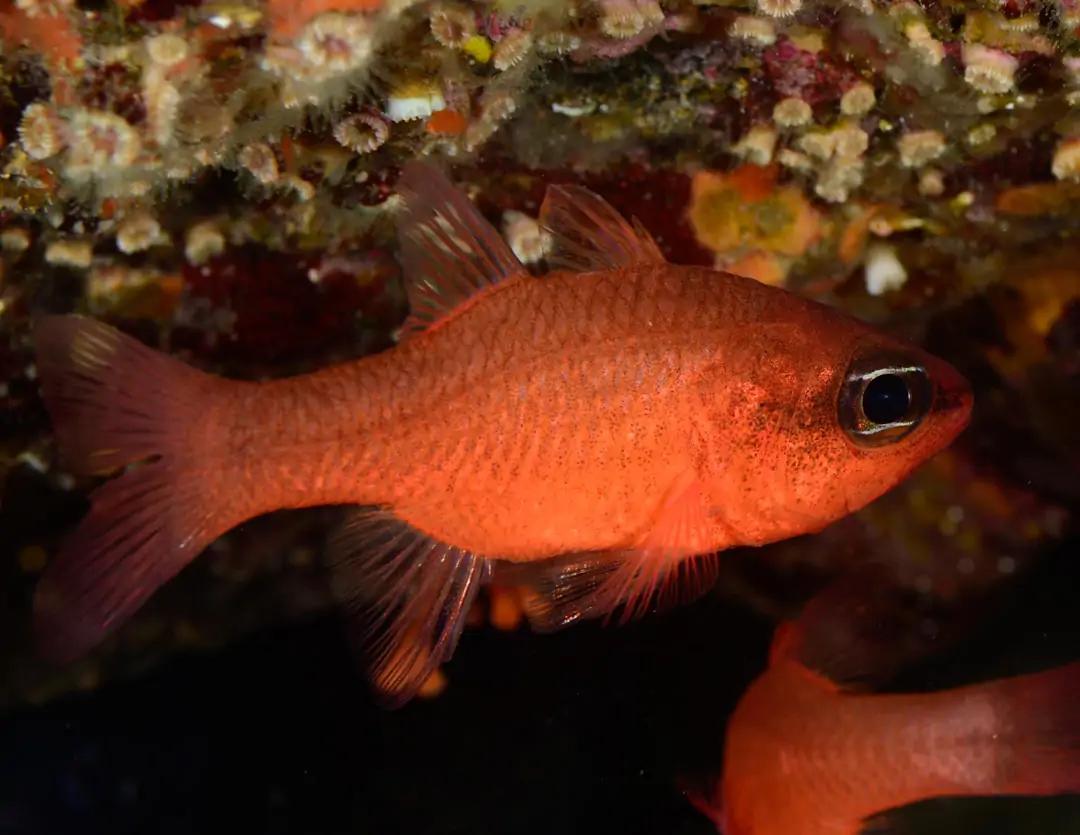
115, 402
1040, 732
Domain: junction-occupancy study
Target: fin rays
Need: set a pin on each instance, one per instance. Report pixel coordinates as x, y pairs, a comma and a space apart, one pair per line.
143, 528
114, 402
654, 576
405, 595
663, 570
449, 251
589, 235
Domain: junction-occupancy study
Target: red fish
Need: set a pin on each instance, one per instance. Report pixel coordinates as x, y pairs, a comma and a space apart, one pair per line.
809, 752
604, 426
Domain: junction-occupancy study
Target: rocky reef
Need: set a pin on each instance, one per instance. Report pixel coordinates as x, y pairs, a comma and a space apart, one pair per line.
218, 178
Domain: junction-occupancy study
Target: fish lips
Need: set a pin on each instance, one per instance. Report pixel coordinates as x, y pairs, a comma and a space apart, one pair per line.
954, 400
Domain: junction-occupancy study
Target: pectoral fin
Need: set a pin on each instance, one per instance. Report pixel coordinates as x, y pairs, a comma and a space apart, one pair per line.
663, 570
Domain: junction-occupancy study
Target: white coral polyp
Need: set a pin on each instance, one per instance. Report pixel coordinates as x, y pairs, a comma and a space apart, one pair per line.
408, 108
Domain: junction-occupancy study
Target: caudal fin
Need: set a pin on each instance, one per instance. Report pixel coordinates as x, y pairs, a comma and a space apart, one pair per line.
1040, 732
113, 402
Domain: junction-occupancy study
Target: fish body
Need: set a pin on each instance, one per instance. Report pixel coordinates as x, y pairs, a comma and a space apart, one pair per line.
809, 755
528, 437
604, 427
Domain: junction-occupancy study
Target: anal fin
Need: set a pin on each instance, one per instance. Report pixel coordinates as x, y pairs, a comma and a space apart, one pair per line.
406, 597
661, 571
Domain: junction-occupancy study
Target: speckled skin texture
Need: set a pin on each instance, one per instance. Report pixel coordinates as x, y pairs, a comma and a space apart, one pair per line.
621, 406
560, 413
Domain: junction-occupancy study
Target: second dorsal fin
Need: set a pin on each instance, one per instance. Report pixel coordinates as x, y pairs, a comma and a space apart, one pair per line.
589, 235
449, 252
865, 627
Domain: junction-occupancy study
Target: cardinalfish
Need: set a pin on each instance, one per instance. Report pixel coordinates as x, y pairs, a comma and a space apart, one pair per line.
809, 751
599, 433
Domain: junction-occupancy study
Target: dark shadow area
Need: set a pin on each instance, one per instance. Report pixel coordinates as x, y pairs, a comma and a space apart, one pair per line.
580, 731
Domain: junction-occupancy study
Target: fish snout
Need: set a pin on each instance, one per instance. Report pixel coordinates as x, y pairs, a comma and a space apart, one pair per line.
953, 399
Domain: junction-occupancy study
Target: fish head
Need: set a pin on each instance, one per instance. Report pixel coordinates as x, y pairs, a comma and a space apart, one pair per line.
870, 410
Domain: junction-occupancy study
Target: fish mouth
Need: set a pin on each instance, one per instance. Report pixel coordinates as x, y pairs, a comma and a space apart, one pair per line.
954, 402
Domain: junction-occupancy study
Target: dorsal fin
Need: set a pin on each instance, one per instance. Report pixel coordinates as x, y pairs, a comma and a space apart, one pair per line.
449, 252
864, 628
843, 629
589, 235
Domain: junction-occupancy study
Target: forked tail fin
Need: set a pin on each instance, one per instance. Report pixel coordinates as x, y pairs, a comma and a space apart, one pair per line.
1040, 732
114, 402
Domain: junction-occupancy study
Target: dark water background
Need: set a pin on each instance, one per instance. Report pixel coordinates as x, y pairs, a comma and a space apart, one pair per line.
577, 732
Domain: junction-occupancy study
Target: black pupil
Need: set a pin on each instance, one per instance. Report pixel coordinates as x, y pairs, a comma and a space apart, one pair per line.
886, 399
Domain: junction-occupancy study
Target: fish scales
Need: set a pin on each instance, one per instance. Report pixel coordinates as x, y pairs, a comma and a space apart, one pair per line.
433, 451
598, 434
864, 755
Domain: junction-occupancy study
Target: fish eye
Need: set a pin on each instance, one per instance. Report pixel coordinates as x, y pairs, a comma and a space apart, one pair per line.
883, 402
886, 399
